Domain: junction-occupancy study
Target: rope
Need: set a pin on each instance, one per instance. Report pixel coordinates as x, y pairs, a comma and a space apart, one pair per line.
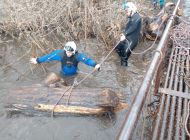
185, 80
156, 37
184, 20
186, 120
71, 87
149, 47
75, 84
100, 65
160, 52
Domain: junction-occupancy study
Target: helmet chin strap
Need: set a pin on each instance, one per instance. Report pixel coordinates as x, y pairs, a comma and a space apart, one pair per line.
131, 13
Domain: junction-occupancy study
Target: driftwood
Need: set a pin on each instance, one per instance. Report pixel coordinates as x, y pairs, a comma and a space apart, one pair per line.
39, 100
154, 27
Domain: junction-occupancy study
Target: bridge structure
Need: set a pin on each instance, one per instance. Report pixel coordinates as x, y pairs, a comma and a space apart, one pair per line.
168, 79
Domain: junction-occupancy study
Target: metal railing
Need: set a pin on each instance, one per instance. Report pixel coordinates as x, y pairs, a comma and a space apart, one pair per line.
133, 114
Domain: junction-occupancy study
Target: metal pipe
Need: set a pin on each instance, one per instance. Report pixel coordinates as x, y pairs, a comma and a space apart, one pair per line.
177, 133
159, 118
179, 108
164, 122
161, 110
172, 115
165, 118
185, 100
173, 106
134, 112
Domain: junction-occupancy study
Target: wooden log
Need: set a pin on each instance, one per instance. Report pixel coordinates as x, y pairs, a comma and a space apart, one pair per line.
38, 100
154, 27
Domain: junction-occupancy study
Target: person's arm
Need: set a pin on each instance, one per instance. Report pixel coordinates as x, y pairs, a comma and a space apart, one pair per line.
86, 60
130, 29
55, 55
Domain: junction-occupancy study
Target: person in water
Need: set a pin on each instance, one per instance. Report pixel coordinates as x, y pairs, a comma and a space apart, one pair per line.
130, 38
69, 58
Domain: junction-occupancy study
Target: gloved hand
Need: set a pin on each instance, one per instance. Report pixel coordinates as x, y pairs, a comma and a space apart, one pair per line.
122, 37
97, 67
33, 60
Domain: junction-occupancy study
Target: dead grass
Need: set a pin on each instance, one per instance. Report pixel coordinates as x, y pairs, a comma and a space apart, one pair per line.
38, 21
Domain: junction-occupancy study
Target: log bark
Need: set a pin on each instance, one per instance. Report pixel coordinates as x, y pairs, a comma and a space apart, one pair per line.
154, 27
39, 100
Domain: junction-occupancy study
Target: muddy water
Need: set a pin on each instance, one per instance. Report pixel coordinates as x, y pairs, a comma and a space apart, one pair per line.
15, 70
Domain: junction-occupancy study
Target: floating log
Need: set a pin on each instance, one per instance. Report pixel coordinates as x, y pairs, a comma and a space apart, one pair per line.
37, 100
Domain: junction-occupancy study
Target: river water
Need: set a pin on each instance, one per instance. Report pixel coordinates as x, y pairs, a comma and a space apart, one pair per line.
15, 71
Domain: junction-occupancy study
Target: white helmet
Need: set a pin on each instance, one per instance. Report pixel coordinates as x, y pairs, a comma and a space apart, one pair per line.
70, 46
130, 6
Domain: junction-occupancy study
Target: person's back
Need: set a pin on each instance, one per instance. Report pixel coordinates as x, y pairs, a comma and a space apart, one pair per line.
133, 28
